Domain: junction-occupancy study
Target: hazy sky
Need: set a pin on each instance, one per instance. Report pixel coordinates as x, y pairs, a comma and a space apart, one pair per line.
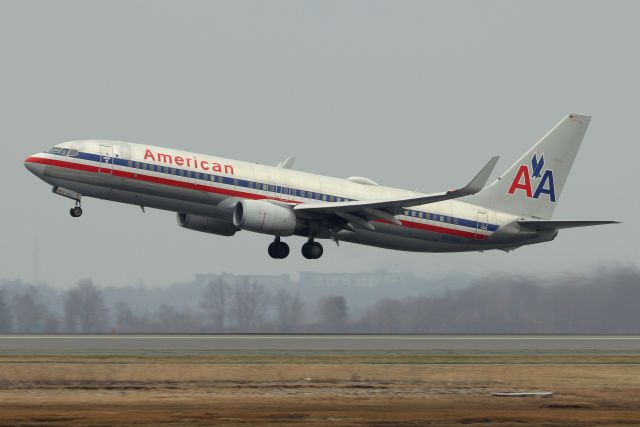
410, 94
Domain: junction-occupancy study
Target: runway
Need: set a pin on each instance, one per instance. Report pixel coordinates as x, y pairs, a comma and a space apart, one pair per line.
202, 345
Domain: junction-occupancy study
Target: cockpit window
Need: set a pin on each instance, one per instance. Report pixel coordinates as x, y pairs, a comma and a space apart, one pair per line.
72, 153
59, 151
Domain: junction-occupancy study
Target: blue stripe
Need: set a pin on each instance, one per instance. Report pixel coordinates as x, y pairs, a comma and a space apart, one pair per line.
260, 186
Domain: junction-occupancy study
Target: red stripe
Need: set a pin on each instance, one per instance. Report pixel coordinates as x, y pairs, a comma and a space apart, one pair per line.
227, 192
61, 164
153, 179
442, 230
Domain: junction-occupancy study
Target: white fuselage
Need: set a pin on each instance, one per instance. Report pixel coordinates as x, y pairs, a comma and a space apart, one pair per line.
209, 186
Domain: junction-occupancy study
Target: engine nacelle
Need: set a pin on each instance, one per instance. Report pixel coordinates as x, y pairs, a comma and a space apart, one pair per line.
264, 217
206, 224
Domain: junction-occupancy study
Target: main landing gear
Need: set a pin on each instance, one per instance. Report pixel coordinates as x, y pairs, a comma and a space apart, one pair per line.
312, 250
76, 211
280, 250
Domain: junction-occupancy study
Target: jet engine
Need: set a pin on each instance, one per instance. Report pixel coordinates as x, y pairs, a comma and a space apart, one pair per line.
206, 224
264, 217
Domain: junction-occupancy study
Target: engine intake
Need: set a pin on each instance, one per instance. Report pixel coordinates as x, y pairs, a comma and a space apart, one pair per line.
206, 224
264, 217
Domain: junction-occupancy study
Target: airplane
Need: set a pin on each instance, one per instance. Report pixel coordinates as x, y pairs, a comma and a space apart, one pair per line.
222, 196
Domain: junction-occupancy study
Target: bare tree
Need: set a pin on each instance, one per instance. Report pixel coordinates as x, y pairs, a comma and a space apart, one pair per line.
289, 311
175, 320
214, 303
5, 314
333, 312
85, 310
249, 305
127, 321
29, 313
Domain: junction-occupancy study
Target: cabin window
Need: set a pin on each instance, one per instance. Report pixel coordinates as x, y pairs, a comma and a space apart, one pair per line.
130, 163
74, 153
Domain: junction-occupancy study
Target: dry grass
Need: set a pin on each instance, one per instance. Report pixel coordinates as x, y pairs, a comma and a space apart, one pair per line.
318, 390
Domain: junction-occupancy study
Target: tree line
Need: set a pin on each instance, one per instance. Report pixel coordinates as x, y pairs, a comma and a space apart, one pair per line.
604, 302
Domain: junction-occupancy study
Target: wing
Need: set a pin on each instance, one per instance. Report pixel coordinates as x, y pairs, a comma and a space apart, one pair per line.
557, 225
360, 211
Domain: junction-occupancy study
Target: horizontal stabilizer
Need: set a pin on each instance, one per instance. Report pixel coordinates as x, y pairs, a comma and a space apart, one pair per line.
557, 225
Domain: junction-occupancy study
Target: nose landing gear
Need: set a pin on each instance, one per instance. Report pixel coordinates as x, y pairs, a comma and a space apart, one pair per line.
278, 249
76, 211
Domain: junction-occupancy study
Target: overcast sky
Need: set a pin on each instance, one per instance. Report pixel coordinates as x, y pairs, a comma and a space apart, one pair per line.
410, 94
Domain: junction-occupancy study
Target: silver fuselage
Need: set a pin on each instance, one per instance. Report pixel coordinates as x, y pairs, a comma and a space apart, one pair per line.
197, 184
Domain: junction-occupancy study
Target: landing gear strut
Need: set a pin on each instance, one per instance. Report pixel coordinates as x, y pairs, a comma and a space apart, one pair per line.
76, 211
278, 249
312, 249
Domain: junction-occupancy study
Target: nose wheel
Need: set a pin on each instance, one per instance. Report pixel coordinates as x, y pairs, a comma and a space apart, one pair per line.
76, 211
278, 249
312, 250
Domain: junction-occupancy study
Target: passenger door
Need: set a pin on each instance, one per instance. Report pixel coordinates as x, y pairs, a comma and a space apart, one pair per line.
106, 159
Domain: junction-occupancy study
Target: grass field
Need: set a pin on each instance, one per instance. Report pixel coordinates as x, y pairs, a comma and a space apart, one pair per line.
318, 390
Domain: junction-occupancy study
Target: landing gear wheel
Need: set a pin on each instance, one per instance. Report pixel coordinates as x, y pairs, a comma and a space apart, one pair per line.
76, 211
272, 250
283, 250
312, 250
278, 249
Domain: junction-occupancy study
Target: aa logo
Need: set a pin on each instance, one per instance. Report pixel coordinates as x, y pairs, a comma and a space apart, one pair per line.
543, 182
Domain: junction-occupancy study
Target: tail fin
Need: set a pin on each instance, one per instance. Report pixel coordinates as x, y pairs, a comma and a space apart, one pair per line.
532, 186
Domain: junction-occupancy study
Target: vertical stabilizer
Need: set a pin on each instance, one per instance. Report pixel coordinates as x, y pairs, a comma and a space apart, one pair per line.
532, 186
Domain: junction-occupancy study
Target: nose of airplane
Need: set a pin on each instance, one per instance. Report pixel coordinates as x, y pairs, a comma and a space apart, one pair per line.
35, 168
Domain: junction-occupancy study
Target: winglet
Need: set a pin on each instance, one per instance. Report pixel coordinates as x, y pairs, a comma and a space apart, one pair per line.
286, 163
480, 180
